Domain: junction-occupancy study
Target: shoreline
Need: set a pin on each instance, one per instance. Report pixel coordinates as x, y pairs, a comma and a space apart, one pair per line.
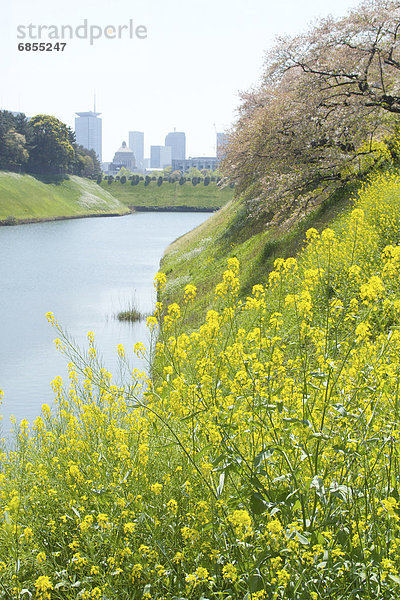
132, 209
28, 221
181, 208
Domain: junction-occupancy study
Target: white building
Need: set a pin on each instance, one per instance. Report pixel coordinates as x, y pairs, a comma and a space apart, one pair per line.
177, 142
160, 157
136, 143
88, 131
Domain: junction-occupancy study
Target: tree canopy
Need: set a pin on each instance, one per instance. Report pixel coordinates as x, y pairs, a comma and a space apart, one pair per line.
326, 111
52, 151
43, 145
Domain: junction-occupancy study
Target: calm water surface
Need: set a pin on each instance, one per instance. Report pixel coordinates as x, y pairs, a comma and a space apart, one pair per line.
84, 271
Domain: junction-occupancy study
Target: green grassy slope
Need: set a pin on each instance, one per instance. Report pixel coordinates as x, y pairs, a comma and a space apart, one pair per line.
23, 197
199, 257
170, 195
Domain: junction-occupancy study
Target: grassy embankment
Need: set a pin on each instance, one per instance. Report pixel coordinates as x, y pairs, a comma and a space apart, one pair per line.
263, 462
199, 257
169, 196
26, 199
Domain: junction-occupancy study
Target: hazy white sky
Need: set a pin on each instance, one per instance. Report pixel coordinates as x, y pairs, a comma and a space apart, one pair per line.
187, 73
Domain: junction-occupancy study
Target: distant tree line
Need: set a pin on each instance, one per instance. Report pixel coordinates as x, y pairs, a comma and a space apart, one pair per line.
147, 179
43, 145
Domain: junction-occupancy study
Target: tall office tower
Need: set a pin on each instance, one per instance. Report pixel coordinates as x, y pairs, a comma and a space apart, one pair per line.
222, 140
136, 143
88, 131
166, 156
177, 141
160, 157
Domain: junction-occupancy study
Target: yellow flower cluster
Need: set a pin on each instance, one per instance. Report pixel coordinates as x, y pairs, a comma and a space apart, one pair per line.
260, 460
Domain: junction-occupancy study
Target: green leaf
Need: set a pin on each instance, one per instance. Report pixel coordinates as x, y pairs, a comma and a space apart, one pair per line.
192, 415
302, 539
267, 554
263, 556
318, 484
280, 478
221, 484
74, 510
256, 583
261, 457
62, 583
340, 409
304, 422
297, 505
258, 504
320, 436
203, 451
339, 491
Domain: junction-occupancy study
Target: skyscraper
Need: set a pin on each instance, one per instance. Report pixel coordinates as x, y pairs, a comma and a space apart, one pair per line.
177, 141
160, 157
136, 143
88, 131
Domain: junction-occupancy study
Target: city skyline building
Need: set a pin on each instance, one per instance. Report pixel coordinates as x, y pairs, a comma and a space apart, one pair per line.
88, 131
210, 163
136, 143
124, 157
160, 157
177, 142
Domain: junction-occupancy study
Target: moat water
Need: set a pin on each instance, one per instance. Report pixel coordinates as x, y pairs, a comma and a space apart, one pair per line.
85, 271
